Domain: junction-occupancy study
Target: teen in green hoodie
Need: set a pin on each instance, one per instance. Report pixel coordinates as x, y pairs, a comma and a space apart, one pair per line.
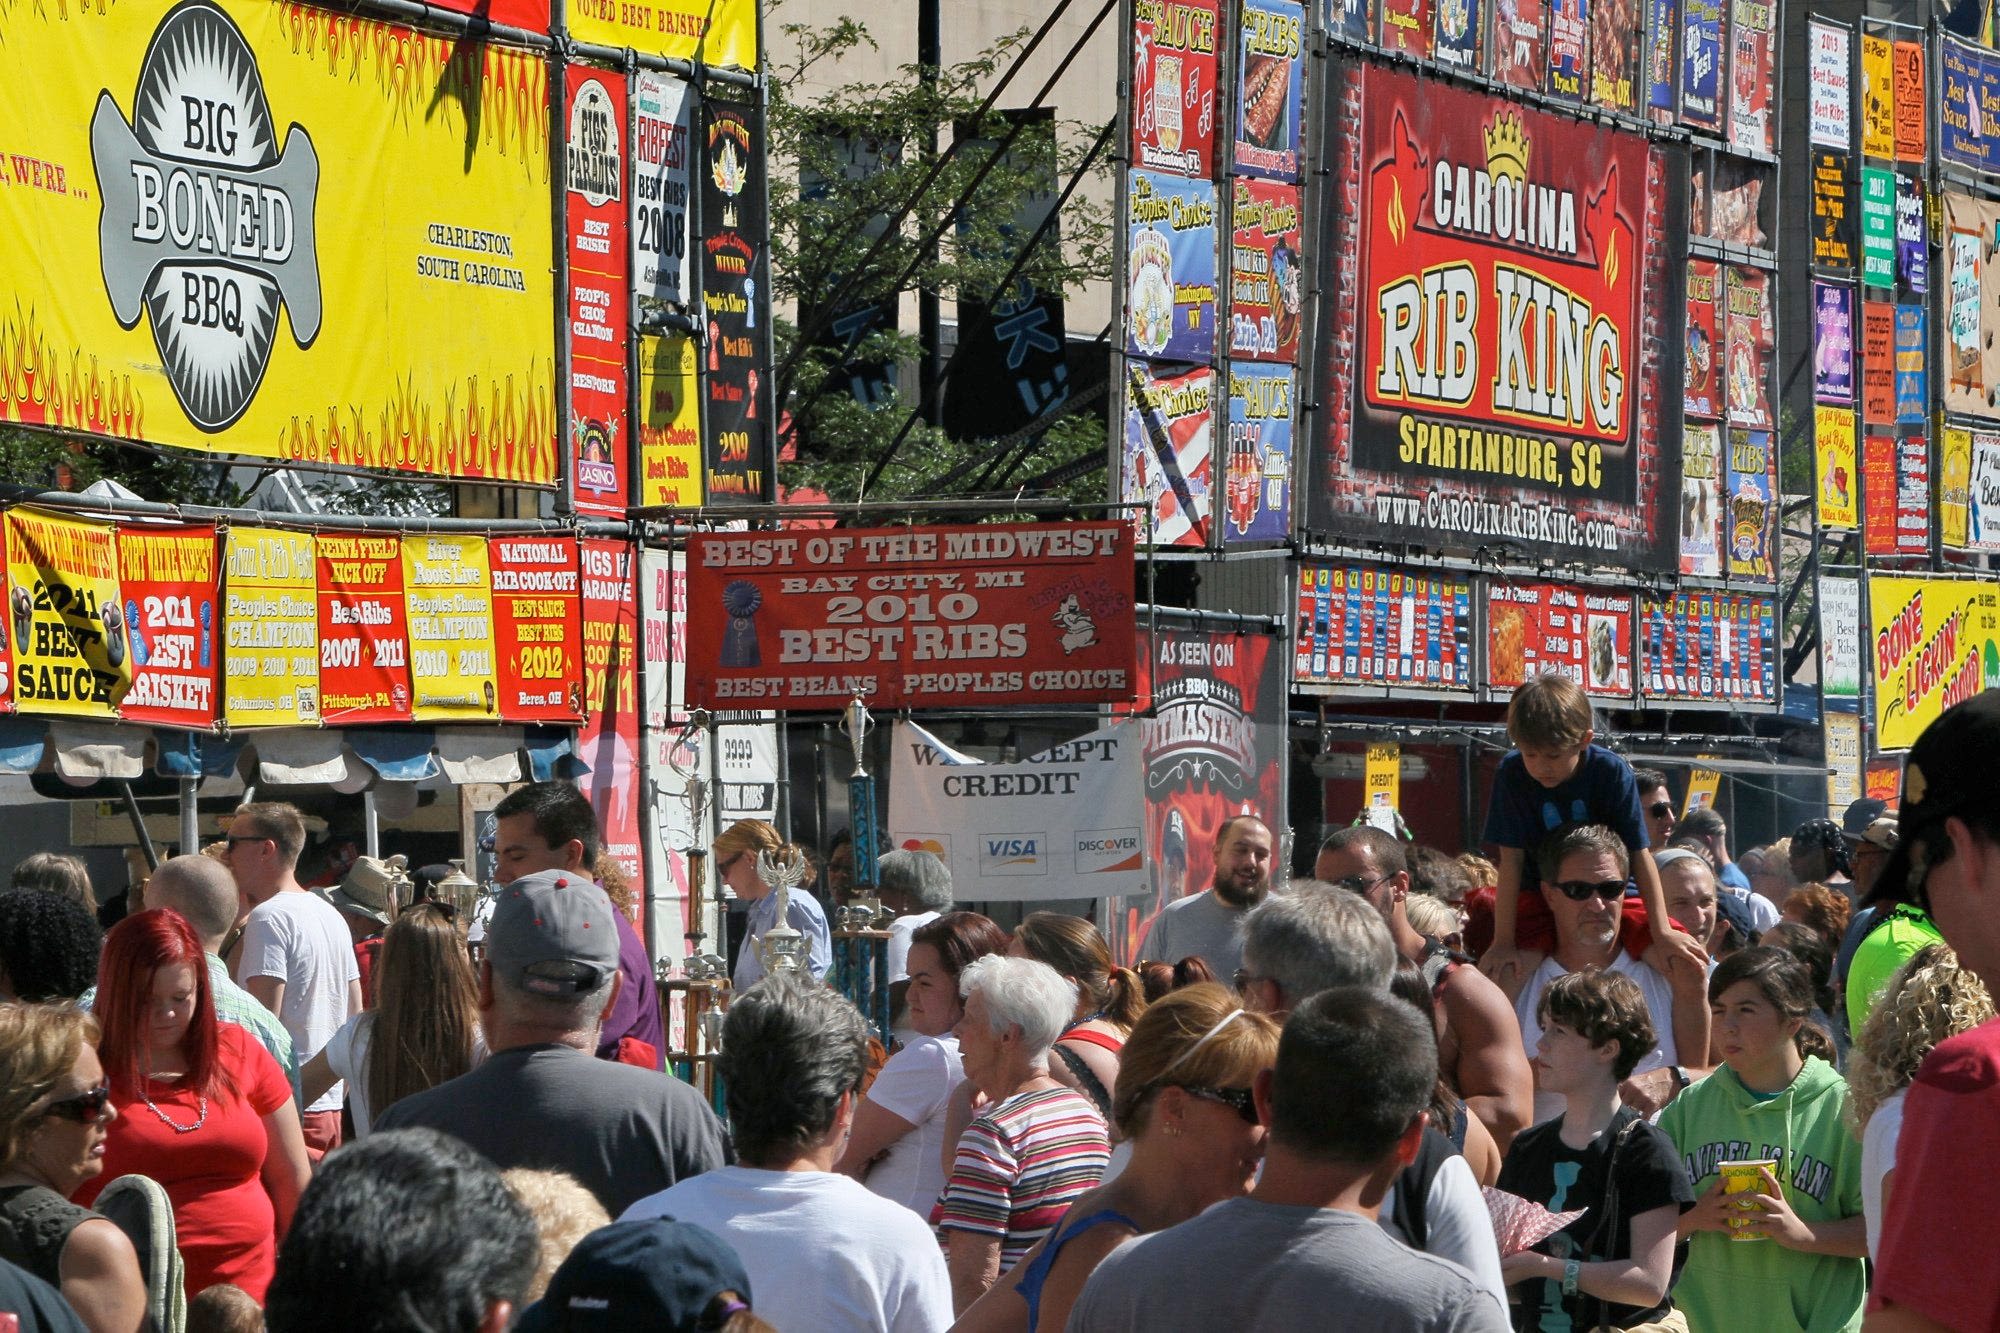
1775, 1096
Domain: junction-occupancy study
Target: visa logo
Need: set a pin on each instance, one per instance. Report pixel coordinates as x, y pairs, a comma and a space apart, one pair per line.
1012, 849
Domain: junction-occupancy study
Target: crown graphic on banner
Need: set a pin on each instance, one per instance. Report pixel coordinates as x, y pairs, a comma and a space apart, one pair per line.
1507, 148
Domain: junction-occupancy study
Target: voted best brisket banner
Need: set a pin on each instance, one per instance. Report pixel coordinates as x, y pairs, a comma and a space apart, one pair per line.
1502, 377
911, 618
1064, 823
269, 230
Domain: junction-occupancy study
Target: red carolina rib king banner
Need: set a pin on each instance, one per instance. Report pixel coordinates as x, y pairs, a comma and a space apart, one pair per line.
909, 618
1502, 377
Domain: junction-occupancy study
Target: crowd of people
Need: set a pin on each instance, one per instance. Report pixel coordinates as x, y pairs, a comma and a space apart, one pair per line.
1613, 1077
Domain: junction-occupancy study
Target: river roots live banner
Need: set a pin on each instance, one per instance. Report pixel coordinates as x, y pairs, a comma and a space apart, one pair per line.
906, 618
1503, 377
269, 230
1065, 823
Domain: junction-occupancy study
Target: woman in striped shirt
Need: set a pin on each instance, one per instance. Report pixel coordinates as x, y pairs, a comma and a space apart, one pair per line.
1035, 1146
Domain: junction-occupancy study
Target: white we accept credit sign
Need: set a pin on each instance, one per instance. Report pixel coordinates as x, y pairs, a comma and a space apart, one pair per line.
1066, 823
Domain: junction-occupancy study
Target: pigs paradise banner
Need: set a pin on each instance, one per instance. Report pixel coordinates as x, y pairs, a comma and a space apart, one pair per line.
269, 230
908, 618
1496, 381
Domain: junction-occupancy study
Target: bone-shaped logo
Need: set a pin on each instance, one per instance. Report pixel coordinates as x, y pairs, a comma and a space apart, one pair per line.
205, 226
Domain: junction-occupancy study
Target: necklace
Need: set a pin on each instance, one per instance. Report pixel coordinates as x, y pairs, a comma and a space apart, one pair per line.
201, 1117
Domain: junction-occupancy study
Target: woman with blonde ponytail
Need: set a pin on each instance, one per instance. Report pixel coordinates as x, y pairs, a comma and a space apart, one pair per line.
735, 853
1110, 1001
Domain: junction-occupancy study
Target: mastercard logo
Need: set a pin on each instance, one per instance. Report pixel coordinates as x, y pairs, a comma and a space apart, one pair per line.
931, 845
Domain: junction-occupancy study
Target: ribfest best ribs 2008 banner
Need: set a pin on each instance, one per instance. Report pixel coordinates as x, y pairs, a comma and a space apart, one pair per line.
1504, 374
271, 230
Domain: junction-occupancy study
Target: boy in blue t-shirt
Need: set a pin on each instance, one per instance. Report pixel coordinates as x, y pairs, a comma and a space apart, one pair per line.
1554, 778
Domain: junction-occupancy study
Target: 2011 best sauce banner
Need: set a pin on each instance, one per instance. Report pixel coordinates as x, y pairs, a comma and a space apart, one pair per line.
188, 625
1503, 376
271, 230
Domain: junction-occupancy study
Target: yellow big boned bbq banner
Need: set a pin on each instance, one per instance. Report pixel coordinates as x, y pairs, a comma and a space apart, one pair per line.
1936, 643
73, 655
266, 229
270, 614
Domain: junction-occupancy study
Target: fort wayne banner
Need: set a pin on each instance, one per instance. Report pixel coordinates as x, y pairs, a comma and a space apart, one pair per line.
265, 229
1504, 376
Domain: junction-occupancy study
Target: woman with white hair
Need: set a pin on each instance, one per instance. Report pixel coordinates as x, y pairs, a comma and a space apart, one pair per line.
1035, 1146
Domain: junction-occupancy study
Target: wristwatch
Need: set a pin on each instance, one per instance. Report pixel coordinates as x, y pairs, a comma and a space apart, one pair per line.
1571, 1269
1680, 1078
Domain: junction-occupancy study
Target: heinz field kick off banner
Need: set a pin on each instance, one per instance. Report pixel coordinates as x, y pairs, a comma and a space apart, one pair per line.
1503, 376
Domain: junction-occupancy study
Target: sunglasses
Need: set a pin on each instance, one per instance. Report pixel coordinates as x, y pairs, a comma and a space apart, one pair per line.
1579, 890
248, 837
86, 1108
1358, 883
1239, 1098
1660, 809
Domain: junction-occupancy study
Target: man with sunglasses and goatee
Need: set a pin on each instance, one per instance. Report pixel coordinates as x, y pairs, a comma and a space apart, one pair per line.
1586, 873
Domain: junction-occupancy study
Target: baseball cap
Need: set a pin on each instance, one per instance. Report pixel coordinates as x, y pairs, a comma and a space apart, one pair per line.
1861, 812
1948, 772
656, 1273
552, 934
1733, 906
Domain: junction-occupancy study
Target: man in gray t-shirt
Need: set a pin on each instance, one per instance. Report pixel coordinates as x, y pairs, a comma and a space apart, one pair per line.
1209, 924
1345, 1111
541, 1099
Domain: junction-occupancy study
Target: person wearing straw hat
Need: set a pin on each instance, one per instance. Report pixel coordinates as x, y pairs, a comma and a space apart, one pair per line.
368, 897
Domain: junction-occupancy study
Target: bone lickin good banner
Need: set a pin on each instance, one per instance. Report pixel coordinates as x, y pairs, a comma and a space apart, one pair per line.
1214, 748
1174, 85
1504, 371
269, 230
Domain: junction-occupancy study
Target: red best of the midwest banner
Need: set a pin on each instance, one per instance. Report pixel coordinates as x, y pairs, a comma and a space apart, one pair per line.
911, 617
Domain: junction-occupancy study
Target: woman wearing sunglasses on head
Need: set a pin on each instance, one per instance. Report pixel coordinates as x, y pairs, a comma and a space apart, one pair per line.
1776, 1235
1183, 1103
54, 1114
204, 1109
426, 1012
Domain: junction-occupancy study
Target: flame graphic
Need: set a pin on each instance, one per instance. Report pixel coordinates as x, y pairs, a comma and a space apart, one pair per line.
1613, 247
1399, 222
505, 431
493, 96
43, 385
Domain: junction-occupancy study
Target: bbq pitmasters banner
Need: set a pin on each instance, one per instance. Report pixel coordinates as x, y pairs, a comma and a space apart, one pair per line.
1504, 373
268, 230
911, 617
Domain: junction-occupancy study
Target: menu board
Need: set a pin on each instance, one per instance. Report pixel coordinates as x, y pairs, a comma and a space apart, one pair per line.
1709, 648
1370, 625
1584, 633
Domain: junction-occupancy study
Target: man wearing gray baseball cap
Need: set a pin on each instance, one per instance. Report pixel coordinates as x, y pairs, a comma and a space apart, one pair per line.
541, 1100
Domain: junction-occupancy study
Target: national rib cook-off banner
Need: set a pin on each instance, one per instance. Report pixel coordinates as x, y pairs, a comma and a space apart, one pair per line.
269, 230
1502, 376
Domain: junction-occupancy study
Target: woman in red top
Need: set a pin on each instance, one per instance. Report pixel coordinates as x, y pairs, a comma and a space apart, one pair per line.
1110, 1000
203, 1108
